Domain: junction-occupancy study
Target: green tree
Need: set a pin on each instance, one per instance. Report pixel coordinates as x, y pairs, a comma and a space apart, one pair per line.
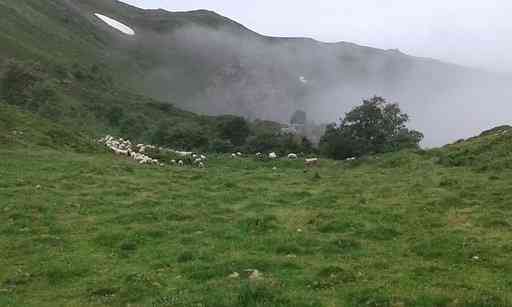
235, 129
220, 146
376, 126
114, 115
134, 127
183, 136
263, 142
307, 145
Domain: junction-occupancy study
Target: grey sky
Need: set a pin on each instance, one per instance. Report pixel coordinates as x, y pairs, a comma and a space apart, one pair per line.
469, 32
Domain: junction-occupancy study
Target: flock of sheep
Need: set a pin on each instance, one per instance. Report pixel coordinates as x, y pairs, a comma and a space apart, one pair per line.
126, 148
274, 156
140, 153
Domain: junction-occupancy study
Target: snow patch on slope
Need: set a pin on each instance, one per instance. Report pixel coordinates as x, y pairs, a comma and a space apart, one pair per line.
116, 24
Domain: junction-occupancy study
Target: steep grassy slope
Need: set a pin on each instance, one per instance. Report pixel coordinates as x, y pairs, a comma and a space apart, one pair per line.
85, 97
27, 132
491, 151
67, 32
64, 64
206, 63
405, 229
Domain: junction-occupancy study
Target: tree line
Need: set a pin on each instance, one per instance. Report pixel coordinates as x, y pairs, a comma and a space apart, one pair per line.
67, 94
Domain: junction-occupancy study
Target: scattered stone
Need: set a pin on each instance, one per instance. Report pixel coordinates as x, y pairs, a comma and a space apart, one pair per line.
256, 275
253, 274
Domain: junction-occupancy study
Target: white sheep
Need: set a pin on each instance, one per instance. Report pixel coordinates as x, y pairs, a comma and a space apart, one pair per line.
183, 153
124, 147
293, 156
239, 154
272, 155
233, 155
180, 163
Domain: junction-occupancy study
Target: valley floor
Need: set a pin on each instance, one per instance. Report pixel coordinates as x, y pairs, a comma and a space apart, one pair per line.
396, 230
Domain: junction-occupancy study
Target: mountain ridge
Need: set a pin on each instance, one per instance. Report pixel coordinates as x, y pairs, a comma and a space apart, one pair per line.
207, 63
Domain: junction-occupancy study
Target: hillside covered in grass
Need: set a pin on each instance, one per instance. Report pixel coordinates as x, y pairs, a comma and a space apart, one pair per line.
203, 62
82, 227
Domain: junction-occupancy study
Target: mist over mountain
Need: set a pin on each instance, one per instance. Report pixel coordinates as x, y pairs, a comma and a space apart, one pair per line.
206, 63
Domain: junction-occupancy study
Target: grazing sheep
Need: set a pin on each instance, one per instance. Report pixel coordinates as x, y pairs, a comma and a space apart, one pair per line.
293, 156
239, 154
233, 155
350, 159
173, 161
201, 165
141, 148
120, 152
311, 162
180, 163
125, 148
272, 155
203, 157
183, 153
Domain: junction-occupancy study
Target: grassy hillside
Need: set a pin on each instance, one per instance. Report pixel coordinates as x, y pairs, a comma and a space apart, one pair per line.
207, 63
404, 229
27, 132
81, 227
85, 98
491, 151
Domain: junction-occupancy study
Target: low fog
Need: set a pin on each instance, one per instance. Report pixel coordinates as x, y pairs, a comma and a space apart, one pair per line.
235, 70
472, 33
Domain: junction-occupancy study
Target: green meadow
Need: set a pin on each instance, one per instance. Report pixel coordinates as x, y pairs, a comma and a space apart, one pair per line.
82, 227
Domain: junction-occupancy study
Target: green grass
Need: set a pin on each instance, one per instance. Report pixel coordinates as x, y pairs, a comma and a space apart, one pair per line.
80, 227
404, 229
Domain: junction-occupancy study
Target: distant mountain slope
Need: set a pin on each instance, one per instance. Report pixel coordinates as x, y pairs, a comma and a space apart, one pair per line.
208, 63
